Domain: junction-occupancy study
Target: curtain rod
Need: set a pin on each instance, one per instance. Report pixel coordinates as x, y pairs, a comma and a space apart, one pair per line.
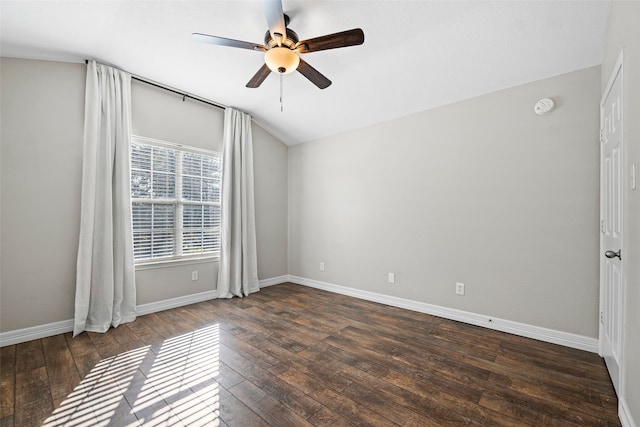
184, 94
170, 89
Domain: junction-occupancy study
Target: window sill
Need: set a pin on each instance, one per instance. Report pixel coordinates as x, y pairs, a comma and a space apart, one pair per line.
150, 265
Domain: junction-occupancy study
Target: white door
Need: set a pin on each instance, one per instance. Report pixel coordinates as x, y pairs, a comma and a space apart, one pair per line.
611, 256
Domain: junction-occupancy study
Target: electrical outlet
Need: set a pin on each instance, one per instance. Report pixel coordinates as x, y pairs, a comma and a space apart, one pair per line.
322, 266
194, 275
459, 288
391, 278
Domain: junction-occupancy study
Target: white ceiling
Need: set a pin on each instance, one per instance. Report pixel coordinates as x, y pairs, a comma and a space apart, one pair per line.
417, 55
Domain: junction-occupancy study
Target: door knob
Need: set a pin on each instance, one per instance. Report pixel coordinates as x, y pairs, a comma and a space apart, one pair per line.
611, 254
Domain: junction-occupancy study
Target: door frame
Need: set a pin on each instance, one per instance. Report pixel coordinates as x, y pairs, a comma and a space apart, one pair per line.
618, 71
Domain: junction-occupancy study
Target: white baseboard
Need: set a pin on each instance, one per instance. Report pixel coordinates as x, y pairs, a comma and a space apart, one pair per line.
274, 281
529, 331
35, 332
167, 304
624, 414
542, 334
42, 331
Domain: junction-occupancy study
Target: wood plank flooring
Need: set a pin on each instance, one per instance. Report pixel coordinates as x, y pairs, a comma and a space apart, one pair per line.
296, 356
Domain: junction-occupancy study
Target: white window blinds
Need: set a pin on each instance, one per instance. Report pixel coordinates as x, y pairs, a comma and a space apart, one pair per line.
175, 194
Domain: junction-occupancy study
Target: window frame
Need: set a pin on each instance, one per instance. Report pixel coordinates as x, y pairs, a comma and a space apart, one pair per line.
179, 203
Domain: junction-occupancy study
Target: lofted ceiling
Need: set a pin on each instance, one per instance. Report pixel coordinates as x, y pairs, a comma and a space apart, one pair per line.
417, 55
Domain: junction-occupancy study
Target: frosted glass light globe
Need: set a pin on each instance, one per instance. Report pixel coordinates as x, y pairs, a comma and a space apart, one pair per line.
281, 60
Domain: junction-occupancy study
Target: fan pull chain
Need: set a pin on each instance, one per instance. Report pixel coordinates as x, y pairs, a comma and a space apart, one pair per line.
281, 106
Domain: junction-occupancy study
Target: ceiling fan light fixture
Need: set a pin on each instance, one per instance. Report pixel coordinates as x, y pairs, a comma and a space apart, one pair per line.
282, 46
281, 60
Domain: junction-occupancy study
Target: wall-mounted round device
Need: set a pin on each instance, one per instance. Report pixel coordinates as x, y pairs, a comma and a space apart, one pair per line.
544, 106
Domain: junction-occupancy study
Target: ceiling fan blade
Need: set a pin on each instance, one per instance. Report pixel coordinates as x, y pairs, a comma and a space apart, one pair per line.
259, 77
221, 41
275, 20
313, 75
332, 41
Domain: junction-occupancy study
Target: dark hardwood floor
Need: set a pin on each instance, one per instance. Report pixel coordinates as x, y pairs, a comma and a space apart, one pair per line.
295, 356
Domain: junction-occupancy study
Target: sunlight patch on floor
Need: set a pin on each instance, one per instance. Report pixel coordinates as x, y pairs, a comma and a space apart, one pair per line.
174, 385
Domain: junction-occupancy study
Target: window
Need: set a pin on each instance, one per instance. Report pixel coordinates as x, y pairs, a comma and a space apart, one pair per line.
175, 200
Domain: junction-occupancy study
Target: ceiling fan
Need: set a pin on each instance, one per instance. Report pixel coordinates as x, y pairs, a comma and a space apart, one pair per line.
282, 46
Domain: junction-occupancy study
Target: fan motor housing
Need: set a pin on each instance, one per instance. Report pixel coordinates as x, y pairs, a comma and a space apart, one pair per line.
290, 42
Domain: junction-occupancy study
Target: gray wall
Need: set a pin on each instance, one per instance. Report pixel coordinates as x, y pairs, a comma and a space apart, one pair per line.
159, 114
42, 114
625, 32
482, 192
270, 176
42, 111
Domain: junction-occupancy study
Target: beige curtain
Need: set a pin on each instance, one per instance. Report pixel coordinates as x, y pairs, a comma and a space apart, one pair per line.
105, 280
238, 272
